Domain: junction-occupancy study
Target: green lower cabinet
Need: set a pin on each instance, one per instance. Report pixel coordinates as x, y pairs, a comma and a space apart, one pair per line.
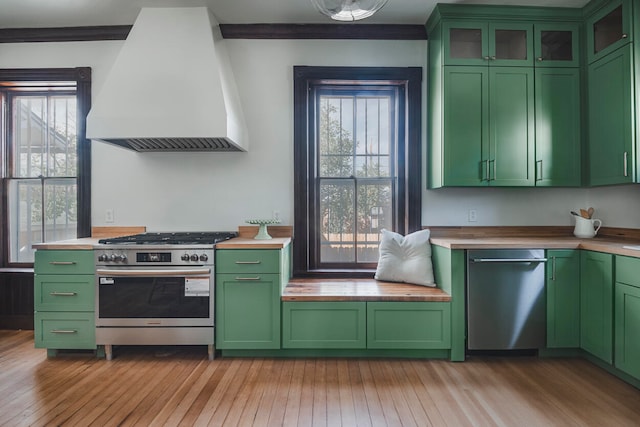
627, 327
408, 325
64, 292
596, 304
65, 330
563, 299
248, 311
322, 325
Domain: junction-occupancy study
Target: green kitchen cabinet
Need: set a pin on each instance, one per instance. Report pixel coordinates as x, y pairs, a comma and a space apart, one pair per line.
248, 288
563, 298
556, 44
611, 119
64, 300
324, 325
608, 28
596, 304
488, 43
558, 127
627, 315
488, 133
409, 325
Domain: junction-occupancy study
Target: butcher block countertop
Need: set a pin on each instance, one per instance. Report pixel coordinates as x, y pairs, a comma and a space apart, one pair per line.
249, 243
85, 243
612, 240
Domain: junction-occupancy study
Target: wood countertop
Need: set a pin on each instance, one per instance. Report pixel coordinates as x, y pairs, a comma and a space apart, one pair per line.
610, 245
250, 243
85, 243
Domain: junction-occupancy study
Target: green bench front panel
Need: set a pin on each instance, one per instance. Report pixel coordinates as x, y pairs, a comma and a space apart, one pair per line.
322, 325
409, 325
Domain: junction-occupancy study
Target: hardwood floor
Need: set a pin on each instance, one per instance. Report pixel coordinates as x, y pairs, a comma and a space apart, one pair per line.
178, 386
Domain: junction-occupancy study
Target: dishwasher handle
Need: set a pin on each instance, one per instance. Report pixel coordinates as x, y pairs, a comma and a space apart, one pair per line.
480, 260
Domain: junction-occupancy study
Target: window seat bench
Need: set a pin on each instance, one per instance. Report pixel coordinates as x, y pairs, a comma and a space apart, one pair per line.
316, 290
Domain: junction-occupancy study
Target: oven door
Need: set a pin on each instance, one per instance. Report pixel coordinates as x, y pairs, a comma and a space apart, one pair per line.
154, 296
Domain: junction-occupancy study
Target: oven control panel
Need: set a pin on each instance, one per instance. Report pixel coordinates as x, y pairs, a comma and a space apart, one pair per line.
154, 256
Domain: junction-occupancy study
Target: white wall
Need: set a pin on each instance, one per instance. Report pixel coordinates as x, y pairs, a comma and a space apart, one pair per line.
208, 191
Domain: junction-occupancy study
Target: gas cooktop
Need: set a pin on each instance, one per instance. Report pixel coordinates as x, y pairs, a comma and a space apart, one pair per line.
179, 238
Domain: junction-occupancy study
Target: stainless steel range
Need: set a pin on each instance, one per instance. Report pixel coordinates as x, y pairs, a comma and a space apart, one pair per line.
156, 289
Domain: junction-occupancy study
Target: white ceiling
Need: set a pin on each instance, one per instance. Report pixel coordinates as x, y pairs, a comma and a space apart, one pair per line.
73, 13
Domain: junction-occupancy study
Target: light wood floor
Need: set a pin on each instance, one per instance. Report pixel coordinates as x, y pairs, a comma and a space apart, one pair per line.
179, 386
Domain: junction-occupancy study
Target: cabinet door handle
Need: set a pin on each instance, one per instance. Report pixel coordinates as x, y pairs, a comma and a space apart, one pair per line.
484, 166
494, 171
624, 161
248, 278
63, 331
493, 58
63, 294
62, 262
248, 262
553, 268
486, 58
624, 36
539, 170
540, 59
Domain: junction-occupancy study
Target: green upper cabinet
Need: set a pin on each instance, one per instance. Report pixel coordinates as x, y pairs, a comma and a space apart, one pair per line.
511, 126
563, 299
465, 147
611, 122
558, 130
556, 44
488, 43
488, 126
609, 28
497, 116
596, 304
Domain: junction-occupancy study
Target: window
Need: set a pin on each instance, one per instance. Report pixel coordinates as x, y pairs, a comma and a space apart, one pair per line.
46, 191
357, 164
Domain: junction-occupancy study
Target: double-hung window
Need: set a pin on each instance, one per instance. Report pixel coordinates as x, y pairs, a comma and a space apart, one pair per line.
357, 164
45, 167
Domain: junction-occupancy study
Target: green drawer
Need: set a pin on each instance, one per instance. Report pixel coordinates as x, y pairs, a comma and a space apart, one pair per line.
71, 330
64, 292
64, 262
628, 270
409, 325
321, 325
248, 261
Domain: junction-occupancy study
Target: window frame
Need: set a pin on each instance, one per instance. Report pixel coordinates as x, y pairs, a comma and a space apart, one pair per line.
27, 77
408, 211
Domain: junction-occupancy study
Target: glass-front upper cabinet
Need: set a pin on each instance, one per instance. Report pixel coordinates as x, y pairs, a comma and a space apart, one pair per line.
484, 43
608, 29
556, 45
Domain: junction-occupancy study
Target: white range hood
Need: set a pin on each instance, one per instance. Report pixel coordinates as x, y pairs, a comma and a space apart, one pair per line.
171, 87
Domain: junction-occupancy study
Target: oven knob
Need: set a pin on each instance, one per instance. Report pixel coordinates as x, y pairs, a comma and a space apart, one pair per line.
122, 258
194, 257
204, 257
185, 257
112, 258
102, 258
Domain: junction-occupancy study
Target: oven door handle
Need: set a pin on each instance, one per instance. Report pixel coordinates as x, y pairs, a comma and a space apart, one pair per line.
159, 272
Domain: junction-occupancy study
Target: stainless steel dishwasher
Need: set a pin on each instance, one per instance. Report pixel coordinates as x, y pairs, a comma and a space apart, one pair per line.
506, 307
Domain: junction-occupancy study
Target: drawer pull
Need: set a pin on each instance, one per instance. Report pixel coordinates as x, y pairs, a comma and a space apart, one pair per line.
62, 262
63, 331
63, 294
248, 262
248, 278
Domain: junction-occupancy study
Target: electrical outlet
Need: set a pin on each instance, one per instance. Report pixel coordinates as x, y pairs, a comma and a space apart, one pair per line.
276, 215
473, 215
108, 215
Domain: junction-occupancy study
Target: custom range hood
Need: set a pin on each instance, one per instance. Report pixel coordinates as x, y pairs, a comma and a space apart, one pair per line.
170, 87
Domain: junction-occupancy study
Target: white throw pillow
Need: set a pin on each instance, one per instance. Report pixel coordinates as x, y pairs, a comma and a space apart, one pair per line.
405, 259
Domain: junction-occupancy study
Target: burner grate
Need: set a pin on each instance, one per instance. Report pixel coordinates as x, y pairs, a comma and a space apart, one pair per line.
177, 238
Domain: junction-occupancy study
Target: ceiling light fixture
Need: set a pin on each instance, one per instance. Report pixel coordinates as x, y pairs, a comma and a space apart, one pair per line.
348, 10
